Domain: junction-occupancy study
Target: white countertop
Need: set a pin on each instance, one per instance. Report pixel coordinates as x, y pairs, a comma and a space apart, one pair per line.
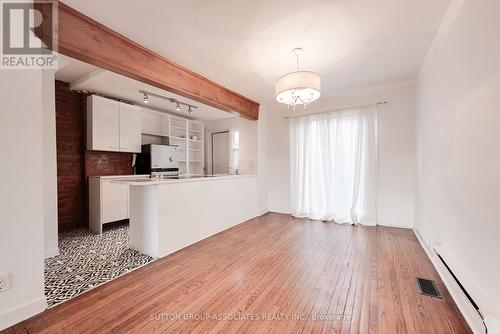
111, 177
149, 182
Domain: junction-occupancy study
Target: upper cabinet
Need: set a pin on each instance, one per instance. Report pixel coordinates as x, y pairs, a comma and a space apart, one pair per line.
120, 127
155, 123
103, 124
130, 128
112, 125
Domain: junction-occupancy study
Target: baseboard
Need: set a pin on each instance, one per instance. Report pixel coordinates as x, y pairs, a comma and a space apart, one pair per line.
51, 252
22, 312
263, 212
285, 212
470, 314
381, 222
393, 223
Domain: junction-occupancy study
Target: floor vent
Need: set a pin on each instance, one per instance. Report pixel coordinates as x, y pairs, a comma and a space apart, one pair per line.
428, 288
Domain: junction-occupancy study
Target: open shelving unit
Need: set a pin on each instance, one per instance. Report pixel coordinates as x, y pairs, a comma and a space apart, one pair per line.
186, 134
195, 148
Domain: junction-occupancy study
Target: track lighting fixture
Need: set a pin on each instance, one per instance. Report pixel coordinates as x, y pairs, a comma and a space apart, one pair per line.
146, 95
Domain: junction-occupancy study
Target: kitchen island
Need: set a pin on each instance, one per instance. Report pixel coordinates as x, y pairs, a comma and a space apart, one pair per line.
169, 214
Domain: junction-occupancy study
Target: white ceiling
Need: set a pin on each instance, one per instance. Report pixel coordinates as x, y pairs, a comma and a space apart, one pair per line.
86, 77
245, 45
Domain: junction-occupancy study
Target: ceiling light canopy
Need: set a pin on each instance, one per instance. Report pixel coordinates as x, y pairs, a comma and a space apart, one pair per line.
299, 87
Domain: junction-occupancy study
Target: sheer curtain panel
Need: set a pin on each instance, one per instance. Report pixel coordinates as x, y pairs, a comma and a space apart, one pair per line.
333, 166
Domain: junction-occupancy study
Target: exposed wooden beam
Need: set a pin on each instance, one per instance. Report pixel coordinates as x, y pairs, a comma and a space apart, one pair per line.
84, 39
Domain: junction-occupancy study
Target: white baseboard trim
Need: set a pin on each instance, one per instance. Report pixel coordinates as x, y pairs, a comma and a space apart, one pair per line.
393, 223
280, 211
22, 312
263, 212
51, 252
470, 314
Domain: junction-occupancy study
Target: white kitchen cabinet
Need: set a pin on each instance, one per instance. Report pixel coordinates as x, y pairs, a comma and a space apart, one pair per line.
113, 126
155, 123
103, 124
108, 200
130, 128
114, 201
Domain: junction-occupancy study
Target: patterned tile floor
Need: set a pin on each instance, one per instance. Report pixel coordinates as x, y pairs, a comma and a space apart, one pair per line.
87, 260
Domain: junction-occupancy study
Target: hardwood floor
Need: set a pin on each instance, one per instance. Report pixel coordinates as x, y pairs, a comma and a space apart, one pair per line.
293, 271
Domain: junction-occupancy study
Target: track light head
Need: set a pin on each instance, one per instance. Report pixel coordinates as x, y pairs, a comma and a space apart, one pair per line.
190, 110
178, 106
146, 99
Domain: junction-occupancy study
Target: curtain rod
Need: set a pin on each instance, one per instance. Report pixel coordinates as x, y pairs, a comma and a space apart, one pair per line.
340, 109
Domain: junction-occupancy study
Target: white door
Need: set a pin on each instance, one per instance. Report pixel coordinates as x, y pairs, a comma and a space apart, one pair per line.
105, 126
220, 153
130, 128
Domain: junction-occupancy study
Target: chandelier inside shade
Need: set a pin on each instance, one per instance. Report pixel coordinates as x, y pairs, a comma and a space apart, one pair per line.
300, 87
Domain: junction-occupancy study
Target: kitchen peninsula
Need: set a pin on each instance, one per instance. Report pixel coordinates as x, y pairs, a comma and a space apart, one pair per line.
169, 214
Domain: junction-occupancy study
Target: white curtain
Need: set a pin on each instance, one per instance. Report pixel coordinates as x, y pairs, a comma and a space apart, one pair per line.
333, 166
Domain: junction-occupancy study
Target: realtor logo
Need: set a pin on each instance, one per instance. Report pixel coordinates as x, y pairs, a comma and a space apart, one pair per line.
21, 48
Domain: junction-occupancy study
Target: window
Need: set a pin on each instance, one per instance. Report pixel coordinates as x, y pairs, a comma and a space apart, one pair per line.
235, 148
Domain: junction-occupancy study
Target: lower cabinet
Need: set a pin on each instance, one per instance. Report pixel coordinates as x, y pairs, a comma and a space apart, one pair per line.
108, 201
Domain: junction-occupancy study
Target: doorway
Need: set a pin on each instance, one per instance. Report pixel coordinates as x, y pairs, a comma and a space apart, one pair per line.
220, 152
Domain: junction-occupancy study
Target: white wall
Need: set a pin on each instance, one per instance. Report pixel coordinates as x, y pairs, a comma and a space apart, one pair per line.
21, 194
278, 169
458, 136
248, 142
49, 165
396, 150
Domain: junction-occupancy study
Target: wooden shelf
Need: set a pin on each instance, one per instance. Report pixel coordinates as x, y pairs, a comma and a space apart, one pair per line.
178, 127
178, 138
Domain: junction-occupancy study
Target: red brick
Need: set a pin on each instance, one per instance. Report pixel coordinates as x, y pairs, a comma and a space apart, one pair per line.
74, 163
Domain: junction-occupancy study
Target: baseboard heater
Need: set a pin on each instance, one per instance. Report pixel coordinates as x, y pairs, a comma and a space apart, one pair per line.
460, 285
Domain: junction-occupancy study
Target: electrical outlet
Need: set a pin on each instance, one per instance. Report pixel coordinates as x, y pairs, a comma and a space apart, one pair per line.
4, 282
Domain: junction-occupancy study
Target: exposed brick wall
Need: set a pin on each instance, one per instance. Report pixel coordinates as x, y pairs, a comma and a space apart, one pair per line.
74, 162
108, 163
70, 158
